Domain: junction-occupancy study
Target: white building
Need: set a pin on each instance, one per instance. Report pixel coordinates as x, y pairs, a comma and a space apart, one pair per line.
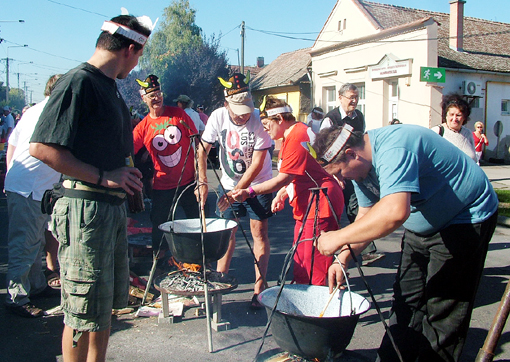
382, 49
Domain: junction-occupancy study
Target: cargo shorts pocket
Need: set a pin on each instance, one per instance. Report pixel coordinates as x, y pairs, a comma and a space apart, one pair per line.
78, 289
60, 222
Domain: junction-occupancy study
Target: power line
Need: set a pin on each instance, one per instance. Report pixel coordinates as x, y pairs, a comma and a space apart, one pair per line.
234, 28
77, 8
43, 52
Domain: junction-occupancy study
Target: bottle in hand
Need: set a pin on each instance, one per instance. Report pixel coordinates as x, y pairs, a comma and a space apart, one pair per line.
135, 201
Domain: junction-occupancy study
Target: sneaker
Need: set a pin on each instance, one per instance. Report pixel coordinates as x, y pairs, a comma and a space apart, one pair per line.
369, 258
26, 310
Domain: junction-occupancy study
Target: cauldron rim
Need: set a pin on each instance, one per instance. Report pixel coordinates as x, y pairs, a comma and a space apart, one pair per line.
364, 302
166, 226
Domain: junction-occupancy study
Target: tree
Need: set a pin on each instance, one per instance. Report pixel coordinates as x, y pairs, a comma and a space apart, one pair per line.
129, 89
184, 60
195, 72
177, 33
16, 99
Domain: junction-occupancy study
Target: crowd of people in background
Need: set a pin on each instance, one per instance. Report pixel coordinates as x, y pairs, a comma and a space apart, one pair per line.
78, 142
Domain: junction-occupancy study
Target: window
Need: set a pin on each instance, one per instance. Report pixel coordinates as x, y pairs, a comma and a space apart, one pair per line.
330, 98
394, 89
505, 107
342, 24
361, 101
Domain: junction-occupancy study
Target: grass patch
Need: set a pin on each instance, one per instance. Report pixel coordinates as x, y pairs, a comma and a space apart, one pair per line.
503, 195
504, 202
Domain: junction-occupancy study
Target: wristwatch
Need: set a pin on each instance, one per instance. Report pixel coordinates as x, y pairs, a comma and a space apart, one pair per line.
251, 192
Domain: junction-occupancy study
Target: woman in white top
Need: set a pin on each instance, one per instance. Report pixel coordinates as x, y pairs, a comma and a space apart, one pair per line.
314, 119
455, 113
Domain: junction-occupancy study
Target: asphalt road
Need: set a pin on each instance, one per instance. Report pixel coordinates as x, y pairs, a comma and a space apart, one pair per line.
143, 339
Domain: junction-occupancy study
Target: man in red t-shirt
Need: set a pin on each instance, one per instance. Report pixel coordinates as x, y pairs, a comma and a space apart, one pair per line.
298, 172
165, 132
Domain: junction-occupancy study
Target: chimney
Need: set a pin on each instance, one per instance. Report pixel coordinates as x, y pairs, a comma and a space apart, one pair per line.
260, 62
457, 24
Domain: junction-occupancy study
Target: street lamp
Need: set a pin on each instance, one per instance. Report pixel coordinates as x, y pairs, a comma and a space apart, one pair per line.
7, 71
18, 69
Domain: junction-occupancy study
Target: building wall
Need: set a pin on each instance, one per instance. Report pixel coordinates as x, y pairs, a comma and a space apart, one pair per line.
291, 95
352, 24
496, 93
415, 102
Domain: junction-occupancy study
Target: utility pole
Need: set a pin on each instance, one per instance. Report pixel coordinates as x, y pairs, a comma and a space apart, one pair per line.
7, 78
242, 47
7, 71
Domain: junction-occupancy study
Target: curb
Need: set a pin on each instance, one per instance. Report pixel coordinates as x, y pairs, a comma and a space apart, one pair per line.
503, 221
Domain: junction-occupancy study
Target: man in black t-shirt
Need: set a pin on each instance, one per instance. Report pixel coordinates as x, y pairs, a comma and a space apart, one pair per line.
84, 133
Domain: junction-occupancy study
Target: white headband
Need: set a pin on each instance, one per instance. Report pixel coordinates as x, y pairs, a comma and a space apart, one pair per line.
114, 28
339, 143
274, 111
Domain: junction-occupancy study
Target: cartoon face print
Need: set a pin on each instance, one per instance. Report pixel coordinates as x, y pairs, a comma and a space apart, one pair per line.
162, 143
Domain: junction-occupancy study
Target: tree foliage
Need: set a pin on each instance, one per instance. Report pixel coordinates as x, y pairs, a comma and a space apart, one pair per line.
16, 98
185, 61
195, 72
178, 32
129, 89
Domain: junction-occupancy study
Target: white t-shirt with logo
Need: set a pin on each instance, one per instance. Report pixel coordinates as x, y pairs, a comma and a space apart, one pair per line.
237, 144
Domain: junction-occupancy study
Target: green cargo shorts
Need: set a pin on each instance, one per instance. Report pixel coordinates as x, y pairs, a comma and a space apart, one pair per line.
94, 267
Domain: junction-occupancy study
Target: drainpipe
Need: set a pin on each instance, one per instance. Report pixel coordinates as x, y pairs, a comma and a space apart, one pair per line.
309, 74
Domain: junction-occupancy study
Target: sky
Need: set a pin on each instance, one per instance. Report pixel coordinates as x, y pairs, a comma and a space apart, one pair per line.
60, 34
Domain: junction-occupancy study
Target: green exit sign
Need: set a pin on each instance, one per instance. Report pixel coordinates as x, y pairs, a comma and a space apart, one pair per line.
429, 74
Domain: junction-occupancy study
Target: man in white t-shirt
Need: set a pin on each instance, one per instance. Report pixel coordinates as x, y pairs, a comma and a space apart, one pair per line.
243, 146
26, 180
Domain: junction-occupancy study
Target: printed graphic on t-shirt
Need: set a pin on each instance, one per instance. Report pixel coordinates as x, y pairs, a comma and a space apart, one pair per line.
239, 147
166, 145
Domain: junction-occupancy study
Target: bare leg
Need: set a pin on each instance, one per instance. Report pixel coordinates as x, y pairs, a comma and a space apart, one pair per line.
91, 346
261, 249
51, 249
223, 264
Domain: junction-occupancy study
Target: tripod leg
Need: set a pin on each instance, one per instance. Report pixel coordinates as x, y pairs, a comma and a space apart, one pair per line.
486, 353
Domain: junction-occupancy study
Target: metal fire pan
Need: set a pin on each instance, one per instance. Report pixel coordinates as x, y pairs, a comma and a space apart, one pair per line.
222, 283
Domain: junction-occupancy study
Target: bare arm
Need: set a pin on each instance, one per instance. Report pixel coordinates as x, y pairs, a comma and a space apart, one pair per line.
371, 223
62, 160
272, 185
256, 166
202, 187
380, 220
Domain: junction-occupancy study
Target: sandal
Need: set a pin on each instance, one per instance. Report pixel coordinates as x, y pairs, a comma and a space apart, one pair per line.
255, 304
53, 280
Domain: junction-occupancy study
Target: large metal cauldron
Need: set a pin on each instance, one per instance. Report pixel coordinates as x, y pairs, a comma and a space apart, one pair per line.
296, 325
184, 239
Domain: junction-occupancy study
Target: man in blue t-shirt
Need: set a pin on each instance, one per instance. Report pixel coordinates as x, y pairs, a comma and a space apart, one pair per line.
407, 176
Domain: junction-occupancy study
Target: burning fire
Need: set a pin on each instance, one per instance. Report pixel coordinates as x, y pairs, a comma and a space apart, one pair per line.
184, 266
